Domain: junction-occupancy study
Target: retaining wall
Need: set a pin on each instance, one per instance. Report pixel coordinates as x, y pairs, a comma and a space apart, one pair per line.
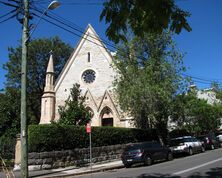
76, 157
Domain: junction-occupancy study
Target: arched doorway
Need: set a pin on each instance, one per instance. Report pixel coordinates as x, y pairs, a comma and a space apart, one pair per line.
106, 117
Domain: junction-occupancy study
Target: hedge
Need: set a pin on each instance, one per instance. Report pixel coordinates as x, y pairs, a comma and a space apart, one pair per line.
56, 137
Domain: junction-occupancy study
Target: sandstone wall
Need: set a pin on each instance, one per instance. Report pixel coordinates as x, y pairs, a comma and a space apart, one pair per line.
76, 157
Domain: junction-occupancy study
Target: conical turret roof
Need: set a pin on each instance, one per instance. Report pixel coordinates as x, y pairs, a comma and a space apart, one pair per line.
50, 68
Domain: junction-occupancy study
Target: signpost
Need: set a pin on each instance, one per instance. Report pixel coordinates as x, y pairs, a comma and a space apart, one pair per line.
88, 130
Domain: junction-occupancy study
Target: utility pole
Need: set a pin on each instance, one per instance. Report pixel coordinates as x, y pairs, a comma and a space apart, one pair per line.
24, 139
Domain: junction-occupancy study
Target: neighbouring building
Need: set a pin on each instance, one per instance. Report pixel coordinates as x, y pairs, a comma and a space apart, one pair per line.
91, 66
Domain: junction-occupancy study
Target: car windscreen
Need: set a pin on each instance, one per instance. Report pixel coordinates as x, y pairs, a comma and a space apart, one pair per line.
141, 146
133, 147
201, 138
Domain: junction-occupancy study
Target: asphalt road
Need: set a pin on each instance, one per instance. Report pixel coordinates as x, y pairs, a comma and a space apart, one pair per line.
207, 164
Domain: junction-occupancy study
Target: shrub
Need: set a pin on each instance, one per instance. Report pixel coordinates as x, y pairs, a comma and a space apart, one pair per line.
7, 147
62, 137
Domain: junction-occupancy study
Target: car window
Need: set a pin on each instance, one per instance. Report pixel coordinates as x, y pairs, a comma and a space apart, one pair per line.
195, 140
187, 139
132, 147
157, 145
176, 142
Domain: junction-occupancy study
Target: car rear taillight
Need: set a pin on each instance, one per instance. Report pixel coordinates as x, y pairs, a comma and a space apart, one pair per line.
207, 139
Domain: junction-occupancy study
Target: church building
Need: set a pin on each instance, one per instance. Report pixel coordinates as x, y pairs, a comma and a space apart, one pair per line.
91, 66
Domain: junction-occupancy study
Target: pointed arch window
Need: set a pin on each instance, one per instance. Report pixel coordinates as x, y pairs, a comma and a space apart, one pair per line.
89, 57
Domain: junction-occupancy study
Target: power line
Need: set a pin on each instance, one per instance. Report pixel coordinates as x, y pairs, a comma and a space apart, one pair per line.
72, 26
8, 18
8, 4
7, 13
69, 31
203, 79
64, 22
68, 3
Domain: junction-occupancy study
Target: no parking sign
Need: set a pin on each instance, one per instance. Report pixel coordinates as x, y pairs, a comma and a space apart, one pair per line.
88, 128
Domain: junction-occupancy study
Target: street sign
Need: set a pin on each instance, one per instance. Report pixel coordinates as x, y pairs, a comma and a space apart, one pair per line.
88, 128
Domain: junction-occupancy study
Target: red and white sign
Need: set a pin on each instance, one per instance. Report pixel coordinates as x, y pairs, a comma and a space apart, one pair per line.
88, 128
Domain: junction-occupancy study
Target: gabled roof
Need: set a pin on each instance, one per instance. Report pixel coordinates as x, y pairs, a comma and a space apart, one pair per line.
91, 36
108, 97
88, 93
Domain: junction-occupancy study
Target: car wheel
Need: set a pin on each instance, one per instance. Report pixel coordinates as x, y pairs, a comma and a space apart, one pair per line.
170, 156
212, 147
190, 152
148, 161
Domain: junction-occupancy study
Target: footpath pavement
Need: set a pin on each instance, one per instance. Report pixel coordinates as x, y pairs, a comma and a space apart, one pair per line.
71, 171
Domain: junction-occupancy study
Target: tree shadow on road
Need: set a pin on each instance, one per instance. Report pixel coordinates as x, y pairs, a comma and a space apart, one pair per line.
156, 175
213, 173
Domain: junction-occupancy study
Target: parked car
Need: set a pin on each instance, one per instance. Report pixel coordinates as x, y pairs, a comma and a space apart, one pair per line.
186, 144
219, 138
145, 152
209, 141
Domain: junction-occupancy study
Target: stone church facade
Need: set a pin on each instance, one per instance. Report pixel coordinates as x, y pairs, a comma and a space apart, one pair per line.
91, 66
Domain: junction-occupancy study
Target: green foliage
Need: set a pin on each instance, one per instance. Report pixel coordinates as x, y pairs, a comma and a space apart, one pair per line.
10, 97
7, 146
74, 111
9, 122
141, 16
195, 114
62, 137
149, 79
217, 89
9, 112
37, 61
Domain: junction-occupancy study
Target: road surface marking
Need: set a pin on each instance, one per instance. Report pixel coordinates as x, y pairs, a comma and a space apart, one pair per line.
196, 167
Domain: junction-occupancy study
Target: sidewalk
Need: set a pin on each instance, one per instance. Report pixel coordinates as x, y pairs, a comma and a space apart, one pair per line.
73, 171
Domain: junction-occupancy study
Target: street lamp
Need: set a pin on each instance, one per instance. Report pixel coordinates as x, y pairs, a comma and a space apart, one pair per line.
25, 37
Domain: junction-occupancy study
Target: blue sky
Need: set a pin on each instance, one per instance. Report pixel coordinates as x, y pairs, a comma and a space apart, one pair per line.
203, 46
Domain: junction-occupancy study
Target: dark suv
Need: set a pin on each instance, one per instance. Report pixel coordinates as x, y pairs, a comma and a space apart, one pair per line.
145, 152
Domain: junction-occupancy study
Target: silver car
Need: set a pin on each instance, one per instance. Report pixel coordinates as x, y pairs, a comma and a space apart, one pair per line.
186, 144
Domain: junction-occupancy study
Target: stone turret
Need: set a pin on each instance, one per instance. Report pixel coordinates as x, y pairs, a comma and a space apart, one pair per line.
48, 97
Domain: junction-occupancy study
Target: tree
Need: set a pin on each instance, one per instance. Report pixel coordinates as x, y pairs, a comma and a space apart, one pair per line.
9, 121
74, 111
142, 17
9, 112
217, 89
196, 115
149, 79
182, 109
38, 56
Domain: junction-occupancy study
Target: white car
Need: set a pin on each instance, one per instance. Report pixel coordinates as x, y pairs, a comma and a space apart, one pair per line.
219, 137
186, 144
